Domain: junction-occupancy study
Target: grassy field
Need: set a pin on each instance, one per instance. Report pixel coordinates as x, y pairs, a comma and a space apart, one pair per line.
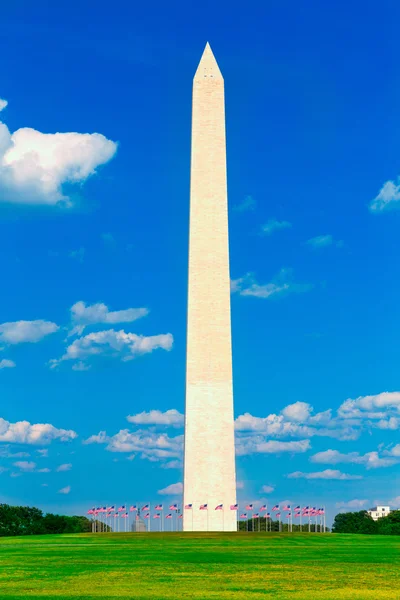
217, 566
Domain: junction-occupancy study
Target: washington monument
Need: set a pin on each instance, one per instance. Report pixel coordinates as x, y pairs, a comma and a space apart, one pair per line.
209, 462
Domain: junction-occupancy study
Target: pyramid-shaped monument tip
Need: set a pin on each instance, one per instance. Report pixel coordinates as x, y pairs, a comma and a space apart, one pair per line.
208, 68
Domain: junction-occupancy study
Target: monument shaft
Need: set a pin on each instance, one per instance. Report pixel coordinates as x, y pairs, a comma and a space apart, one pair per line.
209, 462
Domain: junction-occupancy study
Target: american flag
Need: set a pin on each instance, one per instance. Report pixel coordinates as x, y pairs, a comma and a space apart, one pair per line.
111, 509
203, 506
116, 515
146, 507
104, 509
158, 507
121, 508
146, 516
91, 511
234, 506
180, 517
264, 507
156, 516
321, 511
188, 506
243, 516
255, 516
276, 507
125, 516
219, 507
249, 507
133, 508
297, 508
288, 515
297, 514
173, 507
278, 515
169, 516
268, 516
287, 507
306, 507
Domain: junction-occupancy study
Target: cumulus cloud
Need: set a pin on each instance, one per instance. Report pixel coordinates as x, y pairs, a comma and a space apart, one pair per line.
297, 420
5, 363
371, 460
151, 446
352, 504
80, 366
64, 467
175, 489
3, 104
327, 474
23, 432
83, 315
36, 167
267, 489
65, 490
25, 465
258, 445
274, 225
18, 332
114, 343
388, 197
156, 417
370, 407
281, 285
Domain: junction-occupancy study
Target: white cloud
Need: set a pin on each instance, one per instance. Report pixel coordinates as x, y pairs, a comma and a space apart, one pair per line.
3, 104
25, 465
327, 474
388, 197
44, 452
64, 467
5, 452
83, 315
18, 332
370, 407
7, 364
151, 446
175, 489
296, 420
267, 489
247, 204
299, 411
23, 432
352, 504
65, 490
321, 241
156, 417
35, 166
274, 225
282, 284
371, 460
258, 445
173, 464
80, 366
114, 343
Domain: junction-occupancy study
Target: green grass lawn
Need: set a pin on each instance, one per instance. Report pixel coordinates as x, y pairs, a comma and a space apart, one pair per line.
200, 566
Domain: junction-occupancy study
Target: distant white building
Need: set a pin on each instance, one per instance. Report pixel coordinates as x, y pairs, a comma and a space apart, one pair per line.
377, 512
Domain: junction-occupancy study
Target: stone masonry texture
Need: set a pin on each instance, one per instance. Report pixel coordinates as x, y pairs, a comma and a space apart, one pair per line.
209, 461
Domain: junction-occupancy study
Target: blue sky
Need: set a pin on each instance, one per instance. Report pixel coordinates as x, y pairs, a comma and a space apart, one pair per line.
92, 225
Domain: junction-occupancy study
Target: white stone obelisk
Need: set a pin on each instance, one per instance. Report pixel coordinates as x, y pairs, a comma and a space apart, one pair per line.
209, 463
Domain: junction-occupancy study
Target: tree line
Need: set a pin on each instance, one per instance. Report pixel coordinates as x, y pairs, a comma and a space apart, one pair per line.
27, 520
362, 522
